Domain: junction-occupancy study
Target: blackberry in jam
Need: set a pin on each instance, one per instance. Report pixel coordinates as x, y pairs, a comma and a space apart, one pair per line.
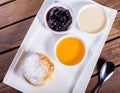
59, 19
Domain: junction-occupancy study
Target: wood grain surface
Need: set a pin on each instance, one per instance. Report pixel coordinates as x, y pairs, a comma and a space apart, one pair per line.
19, 30
110, 52
18, 10
4, 2
5, 61
115, 4
15, 34
115, 31
7, 89
110, 86
15, 19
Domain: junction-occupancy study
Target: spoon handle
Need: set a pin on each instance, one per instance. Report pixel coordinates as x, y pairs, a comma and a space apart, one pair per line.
98, 87
97, 90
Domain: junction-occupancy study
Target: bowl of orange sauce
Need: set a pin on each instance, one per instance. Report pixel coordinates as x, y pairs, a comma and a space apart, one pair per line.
70, 50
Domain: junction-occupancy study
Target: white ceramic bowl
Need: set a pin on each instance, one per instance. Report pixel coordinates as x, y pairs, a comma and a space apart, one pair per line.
101, 10
66, 7
68, 36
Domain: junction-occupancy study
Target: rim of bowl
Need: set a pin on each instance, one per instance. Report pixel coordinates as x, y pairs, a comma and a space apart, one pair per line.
106, 20
67, 36
66, 7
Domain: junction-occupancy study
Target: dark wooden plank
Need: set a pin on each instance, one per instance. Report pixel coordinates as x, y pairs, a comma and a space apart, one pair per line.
15, 35
6, 89
110, 3
13, 32
110, 86
5, 61
5, 1
18, 10
7, 58
115, 4
12, 36
115, 31
19, 30
110, 52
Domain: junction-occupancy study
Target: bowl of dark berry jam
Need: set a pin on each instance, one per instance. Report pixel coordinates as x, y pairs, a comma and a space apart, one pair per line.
59, 18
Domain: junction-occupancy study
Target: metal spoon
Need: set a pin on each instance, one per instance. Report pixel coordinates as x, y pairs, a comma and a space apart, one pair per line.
106, 72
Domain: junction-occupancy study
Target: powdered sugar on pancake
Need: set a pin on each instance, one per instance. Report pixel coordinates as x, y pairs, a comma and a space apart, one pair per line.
35, 69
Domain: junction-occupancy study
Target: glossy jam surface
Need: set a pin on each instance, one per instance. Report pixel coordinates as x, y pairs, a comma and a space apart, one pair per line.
59, 19
70, 51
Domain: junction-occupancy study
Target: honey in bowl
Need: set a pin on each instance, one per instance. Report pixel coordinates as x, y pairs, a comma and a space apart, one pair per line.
70, 51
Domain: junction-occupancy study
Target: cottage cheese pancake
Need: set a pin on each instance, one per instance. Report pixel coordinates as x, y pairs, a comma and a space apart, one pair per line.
37, 69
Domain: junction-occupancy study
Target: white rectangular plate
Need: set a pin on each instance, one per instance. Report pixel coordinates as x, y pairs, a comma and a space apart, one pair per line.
66, 79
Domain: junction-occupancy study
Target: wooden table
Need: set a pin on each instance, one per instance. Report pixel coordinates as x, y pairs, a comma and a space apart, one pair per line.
15, 19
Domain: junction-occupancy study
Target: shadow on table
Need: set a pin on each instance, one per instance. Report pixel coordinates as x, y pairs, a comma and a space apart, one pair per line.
100, 62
